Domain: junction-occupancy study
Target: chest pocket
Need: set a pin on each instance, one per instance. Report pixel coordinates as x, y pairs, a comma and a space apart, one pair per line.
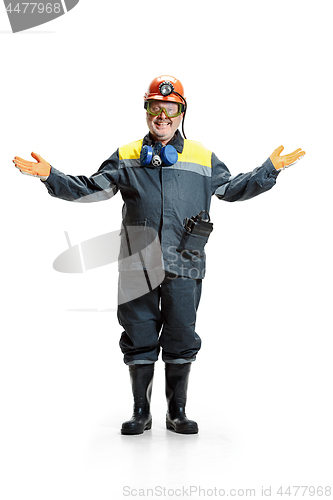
185, 186
192, 187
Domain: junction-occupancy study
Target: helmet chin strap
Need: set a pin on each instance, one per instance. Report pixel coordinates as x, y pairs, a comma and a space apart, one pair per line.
183, 123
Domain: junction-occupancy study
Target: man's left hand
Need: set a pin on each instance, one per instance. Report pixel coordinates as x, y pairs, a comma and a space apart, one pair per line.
286, 160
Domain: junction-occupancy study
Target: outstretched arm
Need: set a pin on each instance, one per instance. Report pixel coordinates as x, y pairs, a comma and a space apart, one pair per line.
102, 185
245, 186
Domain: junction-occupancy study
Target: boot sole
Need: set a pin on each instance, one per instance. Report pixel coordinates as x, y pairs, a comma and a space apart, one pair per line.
133, 432
190, 430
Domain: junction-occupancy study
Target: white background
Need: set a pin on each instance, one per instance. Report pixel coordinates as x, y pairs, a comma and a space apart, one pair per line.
256, 75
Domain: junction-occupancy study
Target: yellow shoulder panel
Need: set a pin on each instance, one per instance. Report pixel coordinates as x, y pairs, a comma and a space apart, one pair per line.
130, 151
194, 152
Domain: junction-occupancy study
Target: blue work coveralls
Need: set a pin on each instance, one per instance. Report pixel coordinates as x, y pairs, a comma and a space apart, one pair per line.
161, 198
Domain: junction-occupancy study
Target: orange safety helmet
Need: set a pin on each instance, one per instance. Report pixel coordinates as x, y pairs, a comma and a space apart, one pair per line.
176, 90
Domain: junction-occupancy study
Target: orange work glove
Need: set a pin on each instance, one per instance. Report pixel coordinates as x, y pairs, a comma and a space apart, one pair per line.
282, 162
40, 169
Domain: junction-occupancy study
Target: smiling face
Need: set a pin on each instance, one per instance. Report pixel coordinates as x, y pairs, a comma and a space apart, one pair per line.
162, 128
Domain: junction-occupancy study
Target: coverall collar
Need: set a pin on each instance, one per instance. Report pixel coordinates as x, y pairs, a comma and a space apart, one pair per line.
177, 141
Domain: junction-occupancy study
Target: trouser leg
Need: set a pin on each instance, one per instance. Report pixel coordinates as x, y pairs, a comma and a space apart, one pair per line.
180, 299
142, 321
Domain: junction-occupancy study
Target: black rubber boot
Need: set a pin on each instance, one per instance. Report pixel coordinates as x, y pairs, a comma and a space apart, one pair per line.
142, 382
176, 381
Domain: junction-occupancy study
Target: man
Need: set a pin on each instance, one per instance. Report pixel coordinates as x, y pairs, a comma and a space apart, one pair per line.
164, 179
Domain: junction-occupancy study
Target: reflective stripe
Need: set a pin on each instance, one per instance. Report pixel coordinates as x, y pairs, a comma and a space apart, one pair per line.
101, 181
222, 189
193, 167
99, 195
130, 163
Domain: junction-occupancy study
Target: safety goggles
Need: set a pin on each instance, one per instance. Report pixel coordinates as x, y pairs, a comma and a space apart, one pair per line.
171, 109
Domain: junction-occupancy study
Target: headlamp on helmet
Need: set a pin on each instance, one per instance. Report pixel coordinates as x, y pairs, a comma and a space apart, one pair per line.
166, 88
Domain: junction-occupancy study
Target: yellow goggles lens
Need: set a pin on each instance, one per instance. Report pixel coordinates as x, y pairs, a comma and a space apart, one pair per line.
171, 109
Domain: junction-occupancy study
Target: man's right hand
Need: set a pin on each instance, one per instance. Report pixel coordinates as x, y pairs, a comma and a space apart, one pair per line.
40, 169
